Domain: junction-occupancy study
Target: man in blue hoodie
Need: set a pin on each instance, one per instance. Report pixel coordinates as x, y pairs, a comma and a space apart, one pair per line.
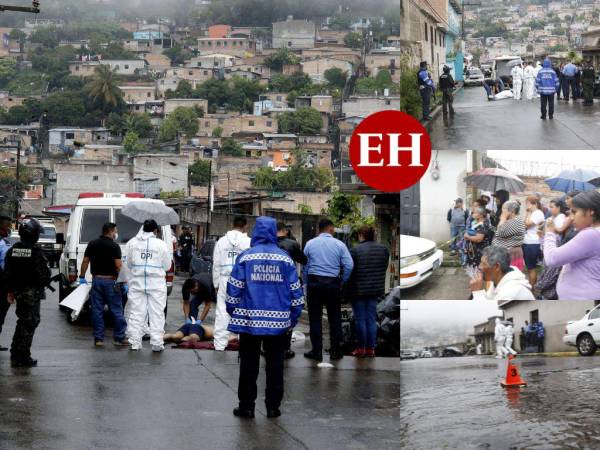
264, 299
546, 84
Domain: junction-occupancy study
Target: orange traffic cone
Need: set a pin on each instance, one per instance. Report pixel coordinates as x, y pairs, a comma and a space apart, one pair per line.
512, 375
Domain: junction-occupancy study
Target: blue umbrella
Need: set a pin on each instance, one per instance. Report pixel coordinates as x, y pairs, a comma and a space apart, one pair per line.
569, 180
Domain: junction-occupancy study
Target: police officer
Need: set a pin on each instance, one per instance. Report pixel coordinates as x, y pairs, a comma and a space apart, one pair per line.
588, 77
5, 244
27, 275
447, 87
426, 88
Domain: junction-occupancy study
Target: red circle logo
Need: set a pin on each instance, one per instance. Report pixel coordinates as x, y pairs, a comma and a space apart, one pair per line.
390, 151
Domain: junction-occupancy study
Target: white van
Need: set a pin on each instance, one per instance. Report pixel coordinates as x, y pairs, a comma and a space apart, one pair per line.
92, 210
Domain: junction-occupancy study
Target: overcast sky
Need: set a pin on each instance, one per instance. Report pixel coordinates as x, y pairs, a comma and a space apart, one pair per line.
576, 156
444, 312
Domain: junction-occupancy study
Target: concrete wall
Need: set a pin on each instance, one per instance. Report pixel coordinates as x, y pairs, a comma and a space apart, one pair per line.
232, 124
358, 106
172, 170
554, 316
316, 68
437, 196
72, 179
173, 103
134, 94
316, 200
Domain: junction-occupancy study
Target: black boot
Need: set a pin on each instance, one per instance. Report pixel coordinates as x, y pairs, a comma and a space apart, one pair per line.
314, 355
273, 412
26, 362
289, 354
241, 412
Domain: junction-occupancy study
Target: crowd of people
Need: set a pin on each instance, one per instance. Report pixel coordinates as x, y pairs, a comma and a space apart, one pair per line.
531, 338
255, 283
532, 251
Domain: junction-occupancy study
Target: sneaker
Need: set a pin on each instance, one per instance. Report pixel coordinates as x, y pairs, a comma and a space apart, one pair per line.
246, 413
135, 348
358, 353
543, 117
158, 348
313, 355
289, 354
272, 413
121, 343
98, 343
27, 362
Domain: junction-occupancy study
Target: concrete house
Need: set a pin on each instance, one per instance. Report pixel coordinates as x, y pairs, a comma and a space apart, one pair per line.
236, 124
121, 66
315, 68
172, 103
294, 34
229, 46
61, 139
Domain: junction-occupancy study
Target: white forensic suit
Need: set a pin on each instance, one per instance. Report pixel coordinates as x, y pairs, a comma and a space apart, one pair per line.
536, 70
528, 82
517, 79
509, 332
226, 251
499, 338
148, 258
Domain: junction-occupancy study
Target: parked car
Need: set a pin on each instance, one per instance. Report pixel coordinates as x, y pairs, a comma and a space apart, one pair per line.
584, 334
408, 354
450, 352
426, 354
474, 77
419, 257
202, 261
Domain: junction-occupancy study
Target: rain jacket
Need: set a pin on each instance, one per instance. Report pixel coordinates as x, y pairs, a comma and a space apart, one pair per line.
546, 81
226, 251
149, 258
264, 295
512, 286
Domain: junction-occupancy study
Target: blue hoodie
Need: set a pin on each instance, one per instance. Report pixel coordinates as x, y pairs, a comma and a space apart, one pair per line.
546, 82
264, 295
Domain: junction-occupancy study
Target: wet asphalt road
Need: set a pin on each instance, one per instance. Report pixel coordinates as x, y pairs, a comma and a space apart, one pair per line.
514, 125
80, 397
446, 283
458, 403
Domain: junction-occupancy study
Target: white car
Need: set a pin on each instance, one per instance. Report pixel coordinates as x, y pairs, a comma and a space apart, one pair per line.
419, 257
474, 77
584, 333
425, 354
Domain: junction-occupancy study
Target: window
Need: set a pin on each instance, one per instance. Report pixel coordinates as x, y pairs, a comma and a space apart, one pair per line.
126, 226
248, 153
269, 123
206, 72
95, 178
190, 73
148, 94
251, 123
91, 224
234, 43
126, 66
206, 124
69, 135
289, 43
426, 31
225, 44
595, 314
279, 98
48, 233
218, 43
209, 44
76, 68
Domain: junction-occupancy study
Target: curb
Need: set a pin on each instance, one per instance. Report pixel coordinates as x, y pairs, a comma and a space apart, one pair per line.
548, 355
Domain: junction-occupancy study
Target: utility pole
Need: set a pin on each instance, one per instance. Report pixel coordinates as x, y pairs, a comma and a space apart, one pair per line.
228, 194
208, 202
34, 8
17, 173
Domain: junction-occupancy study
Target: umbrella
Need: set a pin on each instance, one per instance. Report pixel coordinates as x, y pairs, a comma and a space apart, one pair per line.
569, 180
493, 179
141, 211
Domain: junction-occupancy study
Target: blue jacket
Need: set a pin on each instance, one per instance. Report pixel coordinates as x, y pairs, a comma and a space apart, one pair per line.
264, 295
425, 79
546, 82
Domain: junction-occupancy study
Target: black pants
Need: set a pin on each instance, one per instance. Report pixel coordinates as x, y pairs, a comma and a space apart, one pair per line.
425, 100
547, 100
4, 306
249, 351
28, 318
324, 291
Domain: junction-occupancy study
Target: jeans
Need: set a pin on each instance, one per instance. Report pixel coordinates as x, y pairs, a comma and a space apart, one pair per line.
249, 352
547, 100
365, 321
569, 82
456, 231
426, 100
324, 291
106, 292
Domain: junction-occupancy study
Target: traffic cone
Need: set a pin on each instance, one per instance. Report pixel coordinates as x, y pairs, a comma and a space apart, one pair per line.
512, 375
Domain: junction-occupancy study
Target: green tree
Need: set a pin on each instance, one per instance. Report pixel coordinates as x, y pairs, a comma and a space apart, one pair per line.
132, 144
304, 120
200, 173
353, 40
19, 36
281, 57
177, 54
217, 132
103, 88
342, 206
231, 148
140, 124
183, 120
341, 21
336, 77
